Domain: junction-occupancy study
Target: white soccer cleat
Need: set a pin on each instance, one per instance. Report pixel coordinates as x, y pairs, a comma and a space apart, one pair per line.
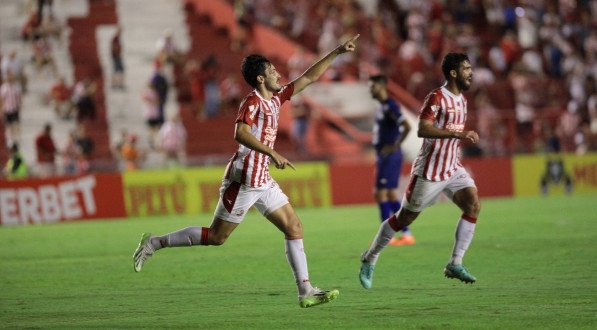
143, 252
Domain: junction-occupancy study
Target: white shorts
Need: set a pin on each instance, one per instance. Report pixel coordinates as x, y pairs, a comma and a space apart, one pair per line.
421, 192
236, 199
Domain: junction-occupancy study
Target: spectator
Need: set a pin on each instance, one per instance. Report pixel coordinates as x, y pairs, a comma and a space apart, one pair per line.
212, 87
161, 86
42, 54
60, 97
301, 114
15, 166
298, 63
592, 103
173, 137
197, 86
244, 12
585, 141
131, 154
230, 89
117, 65
86, 147
151, 112
167, 51
41, 5
13, 64
10, 104
83, 98
46, 152
31, 28
524, 107
71, 155
117, 147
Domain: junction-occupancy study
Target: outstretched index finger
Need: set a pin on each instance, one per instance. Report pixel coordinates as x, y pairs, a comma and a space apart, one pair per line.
291, 166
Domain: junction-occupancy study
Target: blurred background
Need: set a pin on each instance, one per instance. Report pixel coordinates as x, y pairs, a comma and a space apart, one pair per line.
131, 86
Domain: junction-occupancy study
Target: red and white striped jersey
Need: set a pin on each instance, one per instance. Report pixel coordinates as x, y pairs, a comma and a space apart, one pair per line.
248, 166
438, 159
10, 96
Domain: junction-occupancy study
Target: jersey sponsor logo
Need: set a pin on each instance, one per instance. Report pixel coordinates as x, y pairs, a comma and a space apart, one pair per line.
451, 110
455, 127
270, 134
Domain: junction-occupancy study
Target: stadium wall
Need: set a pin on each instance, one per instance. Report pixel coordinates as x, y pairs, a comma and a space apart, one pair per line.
314, 184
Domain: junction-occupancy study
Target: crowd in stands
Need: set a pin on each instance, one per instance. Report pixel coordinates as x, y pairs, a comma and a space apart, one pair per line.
535, 64
535, 61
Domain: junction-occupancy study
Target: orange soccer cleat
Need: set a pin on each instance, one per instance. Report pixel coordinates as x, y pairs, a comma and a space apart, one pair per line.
403, 240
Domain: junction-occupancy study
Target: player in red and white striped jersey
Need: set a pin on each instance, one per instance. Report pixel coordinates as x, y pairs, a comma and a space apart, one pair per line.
437, 169
247, 181
439, 158
248, 166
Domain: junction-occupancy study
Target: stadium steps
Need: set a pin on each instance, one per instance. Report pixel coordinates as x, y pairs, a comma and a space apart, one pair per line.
143, 23
84, 50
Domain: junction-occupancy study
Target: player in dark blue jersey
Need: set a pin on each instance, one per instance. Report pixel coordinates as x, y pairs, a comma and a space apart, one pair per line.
389, 130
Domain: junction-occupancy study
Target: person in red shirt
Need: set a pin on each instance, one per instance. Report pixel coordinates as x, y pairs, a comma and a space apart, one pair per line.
60, 97
46, 152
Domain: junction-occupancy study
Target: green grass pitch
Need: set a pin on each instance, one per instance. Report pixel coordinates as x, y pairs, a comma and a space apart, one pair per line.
535, 260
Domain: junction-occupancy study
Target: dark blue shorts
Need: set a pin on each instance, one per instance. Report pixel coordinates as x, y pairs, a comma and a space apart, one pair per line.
387, 171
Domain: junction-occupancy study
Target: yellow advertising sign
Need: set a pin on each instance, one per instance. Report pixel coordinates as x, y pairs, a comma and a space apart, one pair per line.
167, 192
196, 190
308, 186
555, 174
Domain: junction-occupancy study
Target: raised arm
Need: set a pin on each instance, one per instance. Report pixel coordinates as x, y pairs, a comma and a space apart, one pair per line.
318, 68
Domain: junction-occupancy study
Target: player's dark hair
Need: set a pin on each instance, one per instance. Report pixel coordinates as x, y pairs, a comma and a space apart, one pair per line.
252, 66
379, 78
451, 62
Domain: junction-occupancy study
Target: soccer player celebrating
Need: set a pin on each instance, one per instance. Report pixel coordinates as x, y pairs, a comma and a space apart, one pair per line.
389, 131
247, 181
437, 169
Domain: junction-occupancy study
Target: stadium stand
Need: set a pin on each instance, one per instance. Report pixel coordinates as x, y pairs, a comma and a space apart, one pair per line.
534, 66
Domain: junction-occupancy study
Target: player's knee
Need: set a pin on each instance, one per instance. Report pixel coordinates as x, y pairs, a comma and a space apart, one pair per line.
294, 228
473, 207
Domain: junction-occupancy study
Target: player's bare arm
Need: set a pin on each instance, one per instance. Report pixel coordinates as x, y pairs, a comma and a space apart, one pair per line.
427, 130
316, 70
242, 135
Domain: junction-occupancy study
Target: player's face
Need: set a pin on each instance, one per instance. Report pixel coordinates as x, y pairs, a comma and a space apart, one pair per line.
464, 76
272, 79
375, 89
